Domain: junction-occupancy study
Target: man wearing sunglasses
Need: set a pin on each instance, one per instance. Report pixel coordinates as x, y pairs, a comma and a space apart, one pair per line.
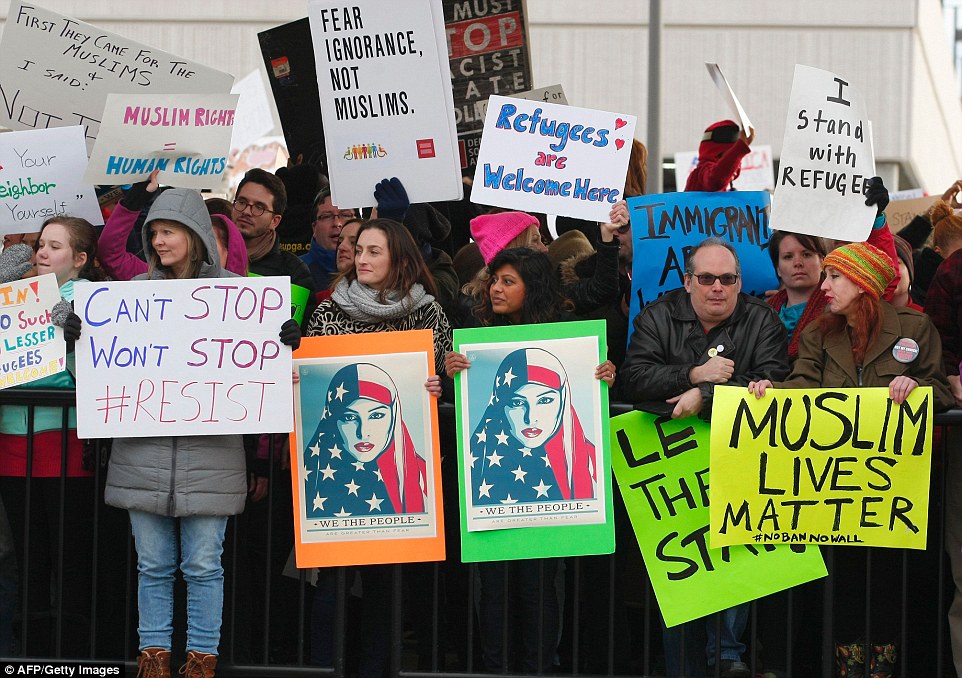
720, 153
683, 344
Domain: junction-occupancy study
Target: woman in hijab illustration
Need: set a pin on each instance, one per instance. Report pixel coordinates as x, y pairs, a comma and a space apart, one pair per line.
367, 464
529, 445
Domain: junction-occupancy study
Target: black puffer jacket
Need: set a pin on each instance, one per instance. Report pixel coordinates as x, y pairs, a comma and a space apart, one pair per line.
668, 341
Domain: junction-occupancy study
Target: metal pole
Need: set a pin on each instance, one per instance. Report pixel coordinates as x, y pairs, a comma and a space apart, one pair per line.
655, 171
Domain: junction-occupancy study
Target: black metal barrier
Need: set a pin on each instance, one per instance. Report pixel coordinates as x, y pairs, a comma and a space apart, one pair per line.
582, 616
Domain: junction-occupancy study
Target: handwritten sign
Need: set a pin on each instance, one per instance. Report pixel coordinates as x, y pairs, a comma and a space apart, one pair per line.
367, 485
32, 346
820, 466
826, 159
756, 172
185, 136
553, 94
900, 213
489, 54
661, 465
666, 226
551, 158
183, 357
40, 174
56, 71
385, 98
532, 443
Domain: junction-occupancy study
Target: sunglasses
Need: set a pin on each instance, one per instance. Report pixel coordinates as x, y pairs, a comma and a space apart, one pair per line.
707, 279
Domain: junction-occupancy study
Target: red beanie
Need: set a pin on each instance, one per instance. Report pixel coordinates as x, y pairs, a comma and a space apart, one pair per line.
708, 149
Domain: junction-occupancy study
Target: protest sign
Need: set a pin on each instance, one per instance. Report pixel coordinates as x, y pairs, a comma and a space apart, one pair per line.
547, 95
183, 357
551, 158
826, 159
40, 177
900, 213
907, 194
756, 172
252, 118
666, 226
488, 55
820, 466
532, 442
385, 99
728, 94
56, 71
661, 465
33, 347
185, 136
367, 485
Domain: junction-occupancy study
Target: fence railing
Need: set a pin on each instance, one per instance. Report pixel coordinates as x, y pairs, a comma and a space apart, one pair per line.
573, 616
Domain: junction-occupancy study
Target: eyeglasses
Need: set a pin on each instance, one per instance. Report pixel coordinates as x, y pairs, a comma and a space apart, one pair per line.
331, 216
257, 209
707, 279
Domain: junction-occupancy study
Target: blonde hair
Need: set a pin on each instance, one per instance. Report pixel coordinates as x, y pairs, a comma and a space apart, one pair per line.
196, 251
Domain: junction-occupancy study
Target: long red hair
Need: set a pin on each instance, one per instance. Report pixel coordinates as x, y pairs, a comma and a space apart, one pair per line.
863, 324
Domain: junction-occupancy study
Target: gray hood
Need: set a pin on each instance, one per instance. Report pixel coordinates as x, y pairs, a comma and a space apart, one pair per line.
185, 207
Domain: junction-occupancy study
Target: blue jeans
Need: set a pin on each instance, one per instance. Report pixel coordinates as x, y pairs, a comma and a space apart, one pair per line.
692, 661
201, 545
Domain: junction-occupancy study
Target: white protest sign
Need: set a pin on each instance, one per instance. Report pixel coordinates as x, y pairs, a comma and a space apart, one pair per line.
907, 194
757, 172
253, 118
386, 99
185, 136
32, 346
183, 357
826, 160
56, 71
728, 94
553, 94
41, 177
550, 158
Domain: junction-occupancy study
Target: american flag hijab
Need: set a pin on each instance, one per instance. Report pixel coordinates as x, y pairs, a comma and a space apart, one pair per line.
391, 469
507, 469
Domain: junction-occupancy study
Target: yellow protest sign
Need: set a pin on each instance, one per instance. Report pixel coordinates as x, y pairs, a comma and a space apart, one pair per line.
820, 466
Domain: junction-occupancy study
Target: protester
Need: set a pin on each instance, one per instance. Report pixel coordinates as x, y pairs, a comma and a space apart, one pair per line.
948, 239
720, 153
327, 223
902, 295
180, 485
797, 259
59, 514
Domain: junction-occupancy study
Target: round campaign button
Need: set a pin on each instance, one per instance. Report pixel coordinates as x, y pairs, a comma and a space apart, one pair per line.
712, 352
905, 350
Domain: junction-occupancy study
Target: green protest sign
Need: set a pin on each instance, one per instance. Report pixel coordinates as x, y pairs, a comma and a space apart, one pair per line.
532, 420
661, 466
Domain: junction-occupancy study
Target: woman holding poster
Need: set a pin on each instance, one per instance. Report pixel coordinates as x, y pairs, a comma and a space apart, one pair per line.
179, 490
66, 247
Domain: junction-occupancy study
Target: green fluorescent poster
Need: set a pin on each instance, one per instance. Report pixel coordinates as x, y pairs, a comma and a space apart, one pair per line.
533, 463
661, 466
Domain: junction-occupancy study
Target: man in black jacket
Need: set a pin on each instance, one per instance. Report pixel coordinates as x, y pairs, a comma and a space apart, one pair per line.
683, 344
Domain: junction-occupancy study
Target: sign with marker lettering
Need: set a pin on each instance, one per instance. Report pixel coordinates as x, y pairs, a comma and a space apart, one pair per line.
32, 346
56, 71
820, 466
665, 227
532, 442
551, 158
826, 159
661, 465
386, 102
40, 177
553, 94
367, 484
183, 357
185, 136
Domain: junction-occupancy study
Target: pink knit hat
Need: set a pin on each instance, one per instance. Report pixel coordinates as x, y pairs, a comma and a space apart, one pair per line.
493, 231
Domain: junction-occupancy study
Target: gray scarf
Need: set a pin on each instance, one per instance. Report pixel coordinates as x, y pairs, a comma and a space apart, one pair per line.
360, 301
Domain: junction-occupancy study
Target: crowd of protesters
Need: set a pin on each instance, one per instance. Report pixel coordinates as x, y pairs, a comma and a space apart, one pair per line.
190, 501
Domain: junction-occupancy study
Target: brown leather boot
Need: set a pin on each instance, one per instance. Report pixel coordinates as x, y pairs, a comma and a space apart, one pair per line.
153, 662
199, 665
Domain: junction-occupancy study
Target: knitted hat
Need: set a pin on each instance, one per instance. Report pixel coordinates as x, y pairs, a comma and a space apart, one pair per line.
567, 245
493, 232
904, 250
865, 265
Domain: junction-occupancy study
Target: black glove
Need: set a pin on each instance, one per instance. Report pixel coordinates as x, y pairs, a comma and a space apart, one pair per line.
15, 262
137, 196
876, 194
392, 199
72, 327
290, 334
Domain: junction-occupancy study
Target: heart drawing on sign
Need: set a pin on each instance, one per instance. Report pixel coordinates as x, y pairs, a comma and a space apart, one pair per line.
619, 123
619, 143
